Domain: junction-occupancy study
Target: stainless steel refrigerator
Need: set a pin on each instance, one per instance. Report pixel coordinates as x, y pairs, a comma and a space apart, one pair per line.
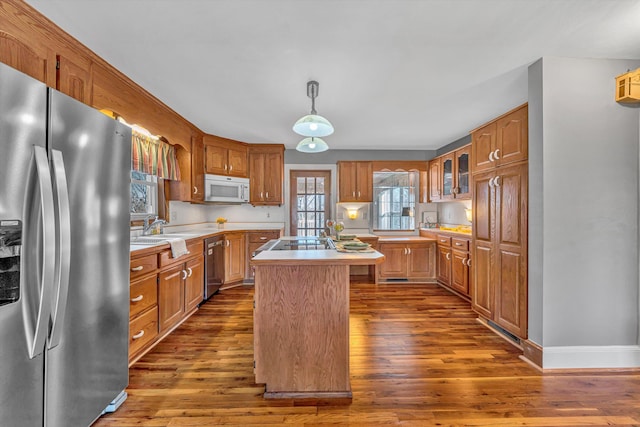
64, 256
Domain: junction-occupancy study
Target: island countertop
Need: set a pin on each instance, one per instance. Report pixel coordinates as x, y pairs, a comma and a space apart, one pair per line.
317, 257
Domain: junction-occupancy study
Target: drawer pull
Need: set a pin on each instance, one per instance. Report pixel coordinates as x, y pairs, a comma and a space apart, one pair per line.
190, 271
448, 256
443, 240
184, 274
138, 335
263, 238
458, 244
138, 268
136, 299
469, 262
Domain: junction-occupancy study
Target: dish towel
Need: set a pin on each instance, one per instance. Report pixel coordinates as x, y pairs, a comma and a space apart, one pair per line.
178, 247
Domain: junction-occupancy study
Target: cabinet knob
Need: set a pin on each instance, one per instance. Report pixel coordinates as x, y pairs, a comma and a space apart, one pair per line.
358, 194
267, 195
190, 271
495, 154
448, 255
469, 262
491, 159
495, 181
195, 190
230, 168
353, 194
184, 274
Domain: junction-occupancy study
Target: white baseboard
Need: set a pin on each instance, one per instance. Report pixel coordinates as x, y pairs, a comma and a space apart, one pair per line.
591, 357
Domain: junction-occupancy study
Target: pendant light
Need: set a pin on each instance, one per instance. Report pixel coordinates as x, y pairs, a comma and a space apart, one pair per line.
312, 145
313, 125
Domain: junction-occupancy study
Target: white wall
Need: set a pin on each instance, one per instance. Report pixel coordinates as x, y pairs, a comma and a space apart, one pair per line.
584, 182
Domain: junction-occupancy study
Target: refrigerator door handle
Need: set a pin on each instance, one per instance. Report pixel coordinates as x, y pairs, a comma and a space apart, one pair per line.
63, 248
40, 329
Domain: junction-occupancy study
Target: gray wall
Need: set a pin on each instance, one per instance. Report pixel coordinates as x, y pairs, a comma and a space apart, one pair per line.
332, 156
584, 195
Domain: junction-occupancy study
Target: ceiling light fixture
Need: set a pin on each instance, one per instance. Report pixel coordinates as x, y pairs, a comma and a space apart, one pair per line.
312, 145
313, 125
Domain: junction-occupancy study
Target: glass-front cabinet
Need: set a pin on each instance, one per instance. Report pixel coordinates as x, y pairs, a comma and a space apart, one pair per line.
455, 174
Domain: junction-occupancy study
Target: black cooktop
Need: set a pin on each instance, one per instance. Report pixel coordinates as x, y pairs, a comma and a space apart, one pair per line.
303, 243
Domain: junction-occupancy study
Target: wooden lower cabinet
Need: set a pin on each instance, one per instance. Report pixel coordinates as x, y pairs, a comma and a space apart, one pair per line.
234, 257
255, 239
413, 261
164, 291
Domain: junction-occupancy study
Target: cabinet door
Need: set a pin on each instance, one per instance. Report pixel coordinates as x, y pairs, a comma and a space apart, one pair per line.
256, 175
421, 260
364, 181
234, 257
512, 138
395, 261
74, 79
237, 162
447, 176
460, 271
462, 173
347, 179
510, 186
435, 191
273, 181
215, 160
171, 296
16, 54
194, 284
483, 208
444, 265
483, 143
197, 169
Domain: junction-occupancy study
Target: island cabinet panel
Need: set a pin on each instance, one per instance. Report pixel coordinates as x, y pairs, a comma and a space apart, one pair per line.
301, 330
255, 239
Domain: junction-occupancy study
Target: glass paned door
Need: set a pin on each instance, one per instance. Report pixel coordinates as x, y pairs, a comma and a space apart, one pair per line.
310, 195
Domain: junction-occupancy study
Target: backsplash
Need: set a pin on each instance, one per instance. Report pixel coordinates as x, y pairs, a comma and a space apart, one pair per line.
453, 212
182, 213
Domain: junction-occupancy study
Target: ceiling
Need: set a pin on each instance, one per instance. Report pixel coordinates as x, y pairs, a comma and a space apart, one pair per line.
393, 74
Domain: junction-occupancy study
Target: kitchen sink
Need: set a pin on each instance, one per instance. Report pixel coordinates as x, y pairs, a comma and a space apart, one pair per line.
157, 238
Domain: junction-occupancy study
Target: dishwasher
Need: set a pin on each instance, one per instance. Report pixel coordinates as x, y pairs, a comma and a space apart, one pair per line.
213, 266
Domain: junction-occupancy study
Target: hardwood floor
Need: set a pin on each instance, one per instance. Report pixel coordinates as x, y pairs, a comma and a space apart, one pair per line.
418, 358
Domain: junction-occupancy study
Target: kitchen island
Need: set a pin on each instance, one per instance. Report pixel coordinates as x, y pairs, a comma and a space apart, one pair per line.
301, 321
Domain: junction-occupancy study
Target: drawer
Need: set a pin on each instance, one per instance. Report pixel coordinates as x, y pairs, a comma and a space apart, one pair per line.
444, 240
143, 265
460, 244
263, 236
143, 330
195, 248
142, 295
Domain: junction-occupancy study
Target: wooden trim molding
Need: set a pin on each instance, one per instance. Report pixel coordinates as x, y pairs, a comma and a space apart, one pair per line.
532, 352
399, 165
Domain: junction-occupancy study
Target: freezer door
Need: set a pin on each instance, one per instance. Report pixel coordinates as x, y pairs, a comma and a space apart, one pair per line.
22, 132
87, 363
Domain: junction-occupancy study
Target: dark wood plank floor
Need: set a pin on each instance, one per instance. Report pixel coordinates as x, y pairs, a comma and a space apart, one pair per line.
418, 358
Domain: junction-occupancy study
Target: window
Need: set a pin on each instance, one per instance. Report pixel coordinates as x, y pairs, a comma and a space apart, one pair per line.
394, 200
144, 195
310, 195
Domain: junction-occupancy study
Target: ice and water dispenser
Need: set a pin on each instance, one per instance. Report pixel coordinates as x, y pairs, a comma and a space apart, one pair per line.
10, 249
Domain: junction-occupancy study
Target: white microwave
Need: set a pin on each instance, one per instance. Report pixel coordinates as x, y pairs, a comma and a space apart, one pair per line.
226, 189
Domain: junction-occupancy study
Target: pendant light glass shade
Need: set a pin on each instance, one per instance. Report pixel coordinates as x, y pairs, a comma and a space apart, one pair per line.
313, 124
312, 145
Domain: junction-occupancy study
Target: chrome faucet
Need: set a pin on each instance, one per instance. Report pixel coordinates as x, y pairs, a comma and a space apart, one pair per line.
147, 227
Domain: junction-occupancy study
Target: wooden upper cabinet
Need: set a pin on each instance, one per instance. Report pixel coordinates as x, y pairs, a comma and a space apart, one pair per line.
462, 172
501, 142
74, 79
225, 157
447, 176
435, 191
512, 137
39, 64
355, 181
197, 169
266, 174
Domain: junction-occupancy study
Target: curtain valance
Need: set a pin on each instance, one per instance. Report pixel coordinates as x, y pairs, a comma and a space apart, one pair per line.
153, 156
